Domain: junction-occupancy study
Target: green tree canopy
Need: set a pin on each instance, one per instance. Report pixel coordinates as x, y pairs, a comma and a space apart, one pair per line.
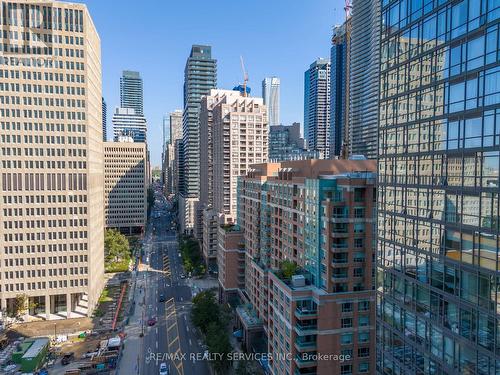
218, 342
205, 310
288, 268
116, 248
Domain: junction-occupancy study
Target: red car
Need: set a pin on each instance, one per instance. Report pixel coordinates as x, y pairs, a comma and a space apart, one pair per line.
151, 321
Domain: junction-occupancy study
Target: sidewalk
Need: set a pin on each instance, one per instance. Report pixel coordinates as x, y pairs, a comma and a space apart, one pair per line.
132, 350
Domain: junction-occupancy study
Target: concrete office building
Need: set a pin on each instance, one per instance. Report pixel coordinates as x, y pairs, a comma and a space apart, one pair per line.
317, 106
271, 96
127, 122
364, 77
286, 143
234, 135
200, 76
131, 91
125, 186
51, 187
339, 90
318, 214
439, 160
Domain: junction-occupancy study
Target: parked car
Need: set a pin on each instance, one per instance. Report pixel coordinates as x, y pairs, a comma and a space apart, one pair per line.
162, 298
67, 358
163, 369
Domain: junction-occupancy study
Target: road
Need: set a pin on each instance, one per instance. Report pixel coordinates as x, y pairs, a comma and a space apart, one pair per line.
173, 332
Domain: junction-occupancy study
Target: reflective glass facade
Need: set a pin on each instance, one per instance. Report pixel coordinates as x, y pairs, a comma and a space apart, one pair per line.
438, 290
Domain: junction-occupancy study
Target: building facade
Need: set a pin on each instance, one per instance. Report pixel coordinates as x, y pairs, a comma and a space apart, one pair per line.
339, 85
125, 186
200, 76
317, 106
364, 77
131, 91
271, 96
234, 135
104, 120
438, 303
126, 122
318, 215
51, 169
286, 143
170, 159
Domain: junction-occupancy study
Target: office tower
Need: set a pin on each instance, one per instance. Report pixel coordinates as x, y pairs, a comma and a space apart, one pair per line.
318, 214
439, 142
104, 120
339, 86
317, 106
131, 91
271, 96
127, 122
364, 77
51, 188
286, 143
125, 185
234, 135
200, 76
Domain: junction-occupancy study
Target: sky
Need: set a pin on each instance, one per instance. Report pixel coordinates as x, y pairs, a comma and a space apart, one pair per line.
275, 37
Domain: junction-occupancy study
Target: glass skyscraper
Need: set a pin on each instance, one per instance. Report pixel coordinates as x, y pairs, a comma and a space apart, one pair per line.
131, 91
271, 95
317, 106
338, 87
438, 289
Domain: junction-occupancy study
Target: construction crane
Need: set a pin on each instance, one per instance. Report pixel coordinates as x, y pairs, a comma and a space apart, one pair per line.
245, 76
348, 9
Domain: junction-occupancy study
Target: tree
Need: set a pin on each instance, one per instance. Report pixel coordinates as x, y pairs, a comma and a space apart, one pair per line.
116, 249
243, 368
20, 305
218, 342
288, 268
205, 310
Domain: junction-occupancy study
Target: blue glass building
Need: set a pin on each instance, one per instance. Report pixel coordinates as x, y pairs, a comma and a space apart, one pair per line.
438, 307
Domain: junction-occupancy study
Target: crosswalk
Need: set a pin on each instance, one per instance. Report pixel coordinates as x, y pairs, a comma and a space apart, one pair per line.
166, 266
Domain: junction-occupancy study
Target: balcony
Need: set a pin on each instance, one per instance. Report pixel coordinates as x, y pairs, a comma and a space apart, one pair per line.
303, 313
306, 329
303, 346
303, 362
298, 372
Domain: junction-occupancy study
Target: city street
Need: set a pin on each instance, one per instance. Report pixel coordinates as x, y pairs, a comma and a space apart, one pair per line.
163, 303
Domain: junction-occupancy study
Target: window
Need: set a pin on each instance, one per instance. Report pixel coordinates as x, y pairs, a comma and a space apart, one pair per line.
364, 367
363, 352
346, 322
364, 306
346, 338
363, 337
345, 369
363, 321
347, 307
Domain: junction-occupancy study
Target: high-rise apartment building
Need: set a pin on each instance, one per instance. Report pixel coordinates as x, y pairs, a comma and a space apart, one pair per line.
51, 187
271, 96
131, 91
318, 215
317, 106
200, 76
104, 120
339, 86
438, 309
125, 185
364, 77
126, 122
174, 124
286, 143
234, 135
